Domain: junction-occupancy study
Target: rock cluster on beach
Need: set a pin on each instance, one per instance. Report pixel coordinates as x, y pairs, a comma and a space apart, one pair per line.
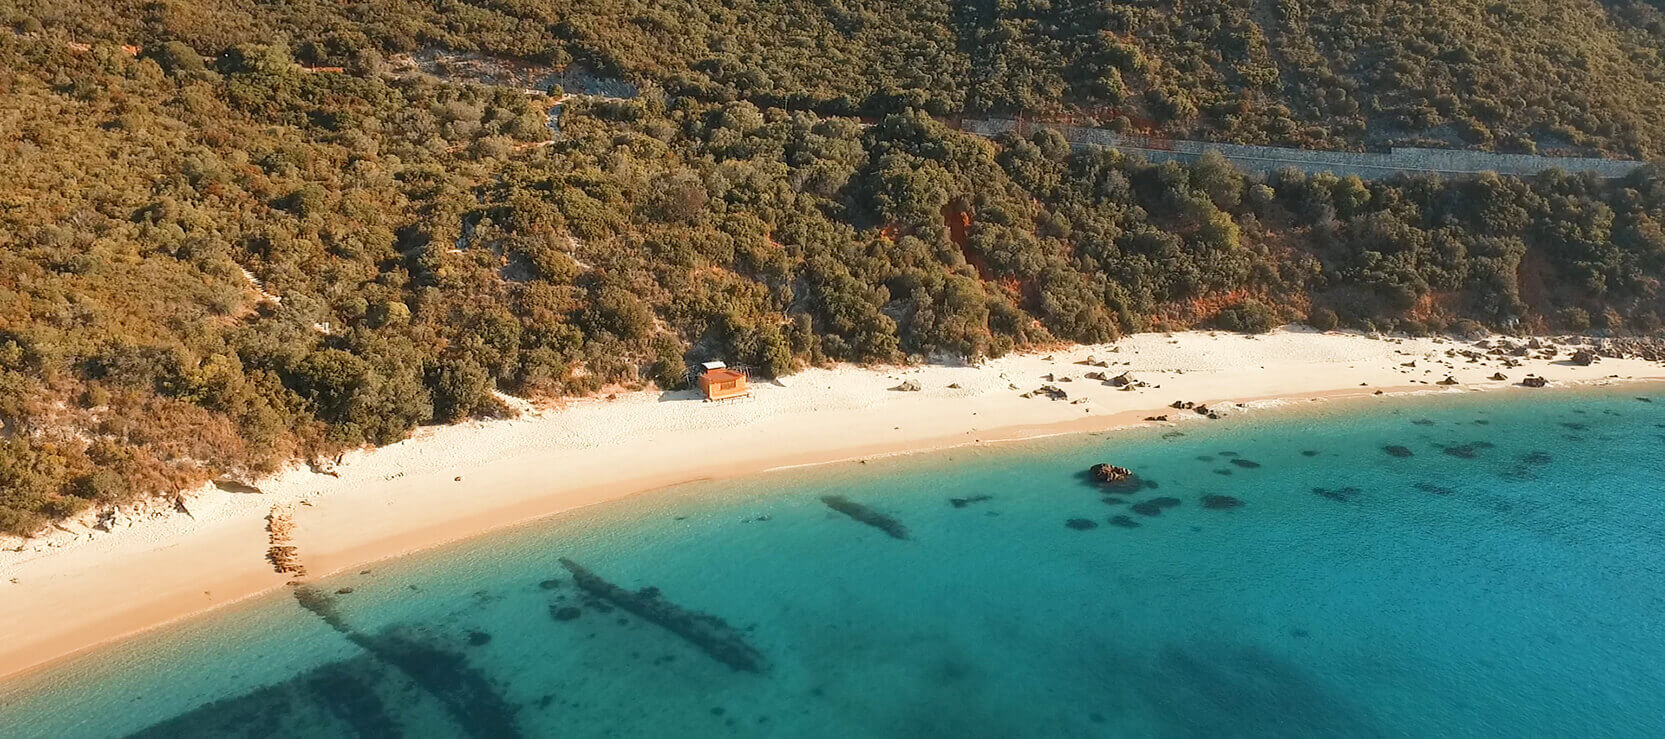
280, 530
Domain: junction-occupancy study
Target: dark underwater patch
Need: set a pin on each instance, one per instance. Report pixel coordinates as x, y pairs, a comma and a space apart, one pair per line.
1396, 450
1220, 502
1470, 450
1340, 495
1124, 522
963, 502
1309, 452
1081, 524
1246, 464
1423, 422
1223, 472
565, 613
1536, 458
705, 632
1432, 489
1155, 506
862, 514
466, 695
1205, 457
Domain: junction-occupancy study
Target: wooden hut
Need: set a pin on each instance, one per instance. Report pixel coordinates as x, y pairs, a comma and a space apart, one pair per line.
720, 382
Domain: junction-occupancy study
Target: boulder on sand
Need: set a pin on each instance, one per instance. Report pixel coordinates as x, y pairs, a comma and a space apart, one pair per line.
1534, 381
1584, 357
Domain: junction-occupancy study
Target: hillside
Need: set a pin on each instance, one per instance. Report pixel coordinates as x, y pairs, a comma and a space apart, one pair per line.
216, 265
1561, 75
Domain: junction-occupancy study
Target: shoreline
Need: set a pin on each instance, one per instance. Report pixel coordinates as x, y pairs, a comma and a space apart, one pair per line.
447, 484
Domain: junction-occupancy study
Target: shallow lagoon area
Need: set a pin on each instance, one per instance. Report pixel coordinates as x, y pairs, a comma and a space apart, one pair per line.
1461, 564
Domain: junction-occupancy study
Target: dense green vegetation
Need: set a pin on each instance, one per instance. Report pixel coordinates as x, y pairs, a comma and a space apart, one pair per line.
1512, 75
216, 264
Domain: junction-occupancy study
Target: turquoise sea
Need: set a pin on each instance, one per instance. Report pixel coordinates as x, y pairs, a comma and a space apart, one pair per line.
1487, 565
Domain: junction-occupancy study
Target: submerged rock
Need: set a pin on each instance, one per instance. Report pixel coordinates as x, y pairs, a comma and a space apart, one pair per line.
1246, 464
1220, 502
963, 502
1432, 489
1123, 522
1342, 495
704, 631
1081, 524
1154, 506
1395, 450
1470, 450
863, 514
565, 613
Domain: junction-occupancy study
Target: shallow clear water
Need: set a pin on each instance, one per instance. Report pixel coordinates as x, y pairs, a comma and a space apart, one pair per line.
1503, 574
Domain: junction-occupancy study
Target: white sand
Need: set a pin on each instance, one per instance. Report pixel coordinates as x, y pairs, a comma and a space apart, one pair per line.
79, 588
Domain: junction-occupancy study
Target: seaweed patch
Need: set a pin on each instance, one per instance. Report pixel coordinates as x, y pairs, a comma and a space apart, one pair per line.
1342, 495
704, 631
1155, 506
862, 514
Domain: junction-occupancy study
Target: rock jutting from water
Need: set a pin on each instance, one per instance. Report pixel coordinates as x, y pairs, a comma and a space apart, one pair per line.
863, 514
704, 631
1103, 472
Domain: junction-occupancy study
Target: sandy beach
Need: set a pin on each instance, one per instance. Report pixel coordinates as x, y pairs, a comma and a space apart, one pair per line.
80, 587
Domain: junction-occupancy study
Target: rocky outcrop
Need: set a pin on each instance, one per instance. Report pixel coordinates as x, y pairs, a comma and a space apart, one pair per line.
1534, 381
907, 386
1584, 357
1109, 473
